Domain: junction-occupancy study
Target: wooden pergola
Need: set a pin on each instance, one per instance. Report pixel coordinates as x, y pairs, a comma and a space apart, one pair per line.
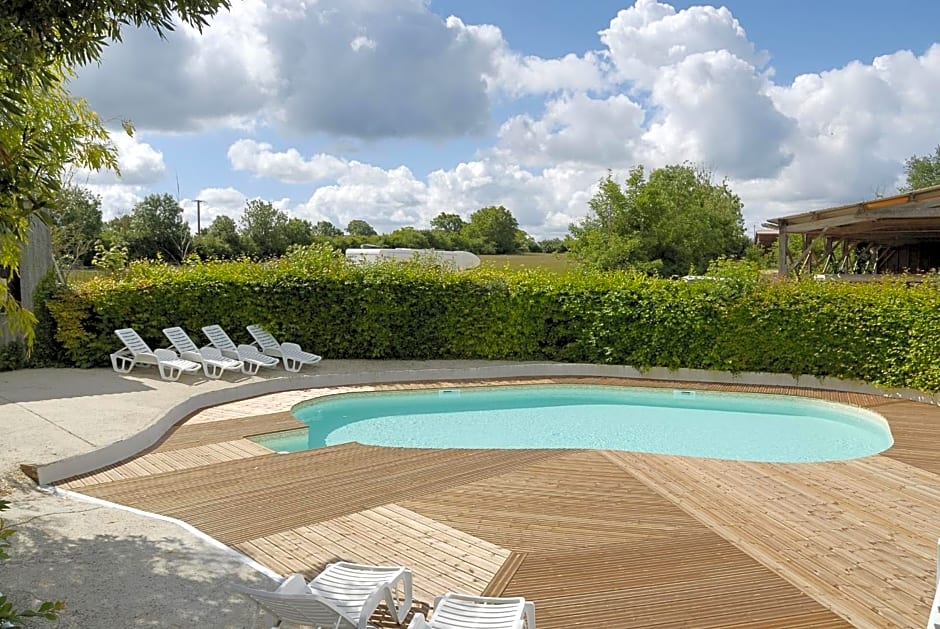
887, 235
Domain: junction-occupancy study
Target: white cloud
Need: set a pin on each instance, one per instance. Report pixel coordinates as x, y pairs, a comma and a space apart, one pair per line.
302, 65
139, 162
116, 199
543, 203
651, 35
215, 202
190, 81
576, 128
288, 166
362, 43
517, 75
713, 108
856, 126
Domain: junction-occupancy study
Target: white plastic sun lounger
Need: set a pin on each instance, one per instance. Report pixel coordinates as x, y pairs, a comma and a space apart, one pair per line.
214, 364
343, 596
252, 358
459, 611
293, 356
137, 352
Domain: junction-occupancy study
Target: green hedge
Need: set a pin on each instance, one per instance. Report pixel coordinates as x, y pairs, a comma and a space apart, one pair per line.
883, 333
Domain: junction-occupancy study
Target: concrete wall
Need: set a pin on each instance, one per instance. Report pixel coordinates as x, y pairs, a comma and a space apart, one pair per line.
36, 261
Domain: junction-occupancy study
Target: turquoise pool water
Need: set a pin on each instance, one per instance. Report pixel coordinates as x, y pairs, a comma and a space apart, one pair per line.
747, 427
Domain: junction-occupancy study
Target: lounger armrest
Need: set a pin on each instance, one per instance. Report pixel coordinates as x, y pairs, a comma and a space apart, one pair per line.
165, 354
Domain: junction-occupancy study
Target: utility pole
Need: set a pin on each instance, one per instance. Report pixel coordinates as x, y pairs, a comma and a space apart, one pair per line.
198, 223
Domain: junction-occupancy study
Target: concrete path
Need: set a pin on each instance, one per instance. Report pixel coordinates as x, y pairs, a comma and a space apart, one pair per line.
114, 568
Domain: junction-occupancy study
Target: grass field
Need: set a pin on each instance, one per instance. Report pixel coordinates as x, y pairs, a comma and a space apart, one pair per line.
557, 262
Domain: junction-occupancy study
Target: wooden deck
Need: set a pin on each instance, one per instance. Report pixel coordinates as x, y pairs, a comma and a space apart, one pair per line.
595, 538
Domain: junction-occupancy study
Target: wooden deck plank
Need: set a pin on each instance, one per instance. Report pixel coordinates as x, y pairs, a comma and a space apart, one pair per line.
849, 545
317, 485
439, 556
162, 462
188, 435
916, 430
691, 582
590, 501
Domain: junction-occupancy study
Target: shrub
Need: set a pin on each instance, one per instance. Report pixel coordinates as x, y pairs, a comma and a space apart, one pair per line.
886, 333
12, 356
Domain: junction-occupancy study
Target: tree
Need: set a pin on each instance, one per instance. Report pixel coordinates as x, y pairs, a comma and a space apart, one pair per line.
157, 229
42, 129
448, 222
263, 229
75, 229
495, 225
47, 132
922, 172
224, 229
360, 228
326, 229
675, 221
409, 238
298, 231
219, 240
553, 245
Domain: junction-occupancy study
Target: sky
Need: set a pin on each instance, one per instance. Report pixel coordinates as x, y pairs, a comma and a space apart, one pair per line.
393, 111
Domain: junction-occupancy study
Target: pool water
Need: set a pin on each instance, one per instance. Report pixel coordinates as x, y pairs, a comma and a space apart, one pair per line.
747, 427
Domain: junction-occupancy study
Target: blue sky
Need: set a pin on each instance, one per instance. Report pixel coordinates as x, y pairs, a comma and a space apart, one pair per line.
392, 111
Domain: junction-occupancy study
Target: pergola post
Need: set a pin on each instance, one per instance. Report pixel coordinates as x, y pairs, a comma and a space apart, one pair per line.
782, 265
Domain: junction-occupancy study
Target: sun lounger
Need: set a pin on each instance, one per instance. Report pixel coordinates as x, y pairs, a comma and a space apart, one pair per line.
343, 596
293, 356
252, 358
459, 611
137, 352
214, 364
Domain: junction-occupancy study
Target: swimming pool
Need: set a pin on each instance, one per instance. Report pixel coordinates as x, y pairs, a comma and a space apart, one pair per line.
738, 426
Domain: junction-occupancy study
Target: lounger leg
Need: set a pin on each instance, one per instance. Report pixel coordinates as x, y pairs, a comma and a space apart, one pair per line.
122, 364
250, 369
213, 372
291, 364
170, 373
402, 606
529, 615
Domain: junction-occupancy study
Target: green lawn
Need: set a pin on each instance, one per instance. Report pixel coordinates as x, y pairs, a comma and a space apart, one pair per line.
557, 262
77, 276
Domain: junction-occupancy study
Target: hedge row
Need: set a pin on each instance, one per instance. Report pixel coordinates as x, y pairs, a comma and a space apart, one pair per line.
883, 333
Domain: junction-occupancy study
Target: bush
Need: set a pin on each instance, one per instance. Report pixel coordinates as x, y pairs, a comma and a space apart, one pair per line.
12, 356
46, 351
885, 333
